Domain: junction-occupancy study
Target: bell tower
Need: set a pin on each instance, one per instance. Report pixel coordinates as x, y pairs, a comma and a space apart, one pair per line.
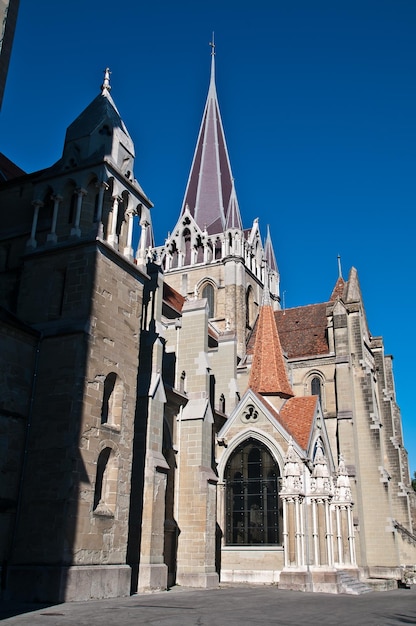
209, 253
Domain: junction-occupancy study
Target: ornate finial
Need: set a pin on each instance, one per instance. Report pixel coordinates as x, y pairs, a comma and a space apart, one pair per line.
106, 84
212, 44
339, 267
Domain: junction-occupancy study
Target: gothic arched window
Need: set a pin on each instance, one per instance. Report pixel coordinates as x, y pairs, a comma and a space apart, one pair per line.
316, 389
208, 293
253, 506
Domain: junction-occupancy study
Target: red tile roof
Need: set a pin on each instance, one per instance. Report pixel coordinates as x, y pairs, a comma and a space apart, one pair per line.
173, 299
303, 330
268, 370
297, 415
338, 290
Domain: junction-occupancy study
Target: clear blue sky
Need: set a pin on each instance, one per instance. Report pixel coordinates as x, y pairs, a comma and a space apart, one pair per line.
318, 100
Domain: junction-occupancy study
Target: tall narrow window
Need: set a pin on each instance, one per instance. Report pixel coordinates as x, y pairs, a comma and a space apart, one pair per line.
208, 293
106, 481
253, 506
250, 314
187, 244
316, 387
112, 406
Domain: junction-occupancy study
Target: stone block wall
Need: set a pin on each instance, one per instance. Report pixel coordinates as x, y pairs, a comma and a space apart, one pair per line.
75, 502
17, 378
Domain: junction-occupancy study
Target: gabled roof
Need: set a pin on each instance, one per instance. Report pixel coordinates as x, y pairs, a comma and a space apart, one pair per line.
8, 169
296, 416
210, 193
268, 374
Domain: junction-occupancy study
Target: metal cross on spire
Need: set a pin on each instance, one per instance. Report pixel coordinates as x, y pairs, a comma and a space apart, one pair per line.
212, 44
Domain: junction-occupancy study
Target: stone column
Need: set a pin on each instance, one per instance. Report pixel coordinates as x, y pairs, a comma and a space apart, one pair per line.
112, 237
128, 250
294, 575
343, 518
75, 230
141, 250
102, 187
32, 243
321, 494
52, 238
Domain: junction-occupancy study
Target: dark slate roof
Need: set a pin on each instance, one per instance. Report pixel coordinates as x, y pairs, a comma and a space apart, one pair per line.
100, 111
8, 169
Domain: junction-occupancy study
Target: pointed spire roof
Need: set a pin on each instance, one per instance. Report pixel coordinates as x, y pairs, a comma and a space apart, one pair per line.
101, 116
269, 252
233, 217
268, 375
338, 290
210, 192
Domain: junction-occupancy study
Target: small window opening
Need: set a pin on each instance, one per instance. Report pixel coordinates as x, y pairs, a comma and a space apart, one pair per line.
209, 294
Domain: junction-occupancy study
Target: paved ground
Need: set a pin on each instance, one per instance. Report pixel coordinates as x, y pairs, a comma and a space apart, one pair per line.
227, 606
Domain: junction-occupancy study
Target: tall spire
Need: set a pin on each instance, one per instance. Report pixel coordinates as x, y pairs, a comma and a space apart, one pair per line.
210, 193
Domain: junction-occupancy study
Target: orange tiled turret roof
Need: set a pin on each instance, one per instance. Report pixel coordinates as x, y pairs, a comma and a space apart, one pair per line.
268, 370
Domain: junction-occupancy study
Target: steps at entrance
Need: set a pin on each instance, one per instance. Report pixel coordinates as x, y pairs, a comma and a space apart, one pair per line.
352, 586
381, 584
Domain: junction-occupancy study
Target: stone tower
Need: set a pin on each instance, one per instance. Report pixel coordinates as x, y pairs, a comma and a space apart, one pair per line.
74, 296
209, 253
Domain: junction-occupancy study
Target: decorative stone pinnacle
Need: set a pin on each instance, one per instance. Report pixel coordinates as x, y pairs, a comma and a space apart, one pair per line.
106, 84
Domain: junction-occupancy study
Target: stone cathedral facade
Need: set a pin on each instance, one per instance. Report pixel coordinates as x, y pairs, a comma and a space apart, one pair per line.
162, 420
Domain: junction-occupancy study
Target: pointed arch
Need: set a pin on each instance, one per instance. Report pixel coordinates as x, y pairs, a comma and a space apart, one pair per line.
208, 292
253, 508
315, 386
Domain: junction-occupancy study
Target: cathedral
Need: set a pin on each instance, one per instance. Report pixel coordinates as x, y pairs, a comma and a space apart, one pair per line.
163, 420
